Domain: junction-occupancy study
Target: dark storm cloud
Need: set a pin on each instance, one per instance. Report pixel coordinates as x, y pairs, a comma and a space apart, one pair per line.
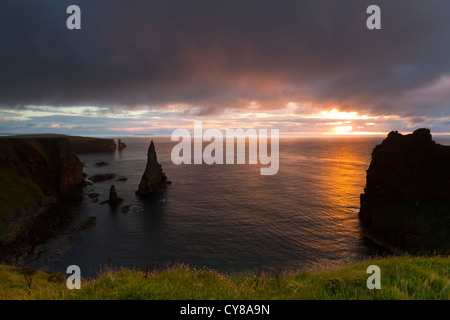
225, 54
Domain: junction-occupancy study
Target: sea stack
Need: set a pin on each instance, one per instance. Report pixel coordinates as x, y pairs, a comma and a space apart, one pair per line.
113, 198
406, 201
153, 179
121, 145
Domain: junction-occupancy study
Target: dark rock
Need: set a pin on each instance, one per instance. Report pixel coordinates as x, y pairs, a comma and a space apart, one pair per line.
102, 177
122, 179
36, 175
79, 144
85, 224
406, 202
126, 208
113, 195
113, 198
38, 250
91, 145
153, 179
121, 145
87, 183
93, 195
101, 164
62, 243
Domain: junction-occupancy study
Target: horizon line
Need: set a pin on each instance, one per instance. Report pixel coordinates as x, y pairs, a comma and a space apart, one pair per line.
281, 134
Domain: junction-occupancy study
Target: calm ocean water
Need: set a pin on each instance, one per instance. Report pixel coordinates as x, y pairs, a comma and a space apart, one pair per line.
226, 217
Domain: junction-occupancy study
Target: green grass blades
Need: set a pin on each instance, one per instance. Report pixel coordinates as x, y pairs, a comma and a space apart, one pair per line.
402, 278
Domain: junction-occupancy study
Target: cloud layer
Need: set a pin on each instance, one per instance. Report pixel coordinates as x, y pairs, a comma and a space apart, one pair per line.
213, 56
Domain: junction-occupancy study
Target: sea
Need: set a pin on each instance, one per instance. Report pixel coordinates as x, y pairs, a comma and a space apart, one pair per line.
227, 218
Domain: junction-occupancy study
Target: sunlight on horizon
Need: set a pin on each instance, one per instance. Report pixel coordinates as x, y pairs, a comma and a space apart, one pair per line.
292, 120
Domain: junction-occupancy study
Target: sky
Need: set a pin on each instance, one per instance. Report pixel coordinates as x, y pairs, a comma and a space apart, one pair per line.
149, 67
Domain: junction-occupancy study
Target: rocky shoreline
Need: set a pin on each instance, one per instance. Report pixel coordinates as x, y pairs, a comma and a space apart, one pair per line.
37, 226
379, 243
52, 168
42, 179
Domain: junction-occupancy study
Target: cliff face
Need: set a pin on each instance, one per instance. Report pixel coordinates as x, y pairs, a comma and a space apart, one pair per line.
92, 145
49, 162
153, 179
34, 173
406, 202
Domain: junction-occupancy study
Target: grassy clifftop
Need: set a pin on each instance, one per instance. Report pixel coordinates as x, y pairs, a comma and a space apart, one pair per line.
401, 278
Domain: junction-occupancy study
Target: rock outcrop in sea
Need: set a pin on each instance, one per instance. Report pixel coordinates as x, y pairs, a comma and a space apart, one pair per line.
153, 179
406, 201
121, 145
102, 177
113, 198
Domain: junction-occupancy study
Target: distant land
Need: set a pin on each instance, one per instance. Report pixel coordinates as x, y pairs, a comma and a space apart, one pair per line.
78, 143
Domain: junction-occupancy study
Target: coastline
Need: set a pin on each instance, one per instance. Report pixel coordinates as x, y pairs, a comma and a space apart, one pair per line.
37, 226
41, 180
395, 250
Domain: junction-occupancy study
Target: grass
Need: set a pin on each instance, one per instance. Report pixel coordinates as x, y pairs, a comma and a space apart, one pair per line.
402, 277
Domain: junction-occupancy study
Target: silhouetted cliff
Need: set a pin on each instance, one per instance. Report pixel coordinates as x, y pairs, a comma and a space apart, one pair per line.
79, 144
92, 145
406, 202
34, 175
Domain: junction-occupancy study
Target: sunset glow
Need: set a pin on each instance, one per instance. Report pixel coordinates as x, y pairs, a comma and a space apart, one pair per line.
219, 150
342, 129
264, 74
291, 120
340, 115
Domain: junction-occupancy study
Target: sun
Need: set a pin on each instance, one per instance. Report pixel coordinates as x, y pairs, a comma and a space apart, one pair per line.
342, 129
341, 115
